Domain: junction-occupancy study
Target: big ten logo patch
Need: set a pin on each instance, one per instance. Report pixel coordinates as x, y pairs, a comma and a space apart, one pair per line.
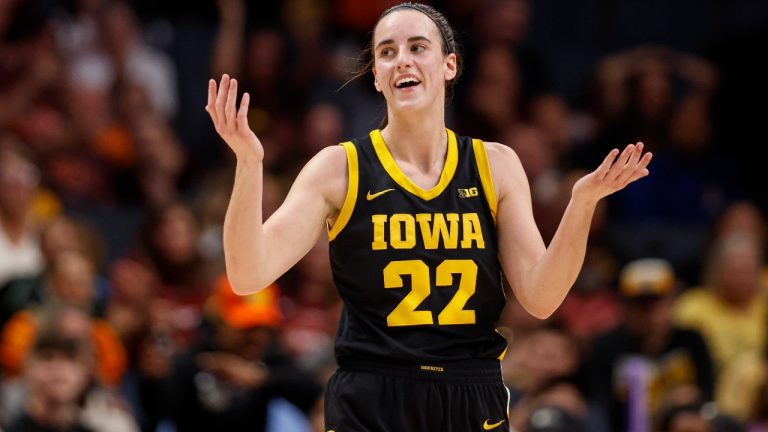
468, 192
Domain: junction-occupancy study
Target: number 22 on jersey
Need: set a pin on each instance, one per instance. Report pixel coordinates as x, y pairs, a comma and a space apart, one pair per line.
405, 313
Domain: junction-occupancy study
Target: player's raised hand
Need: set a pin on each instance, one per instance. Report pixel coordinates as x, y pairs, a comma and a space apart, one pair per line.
615, 173
230, 122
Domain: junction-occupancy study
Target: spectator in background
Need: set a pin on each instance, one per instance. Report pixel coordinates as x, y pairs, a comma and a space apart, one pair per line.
566, 129
506, 76
95, 146
59, 394
123, 55
745, 218
161, 161
228, 43
636, 92
696, 417
492, 94
19, 244
211, 203
70, 284
304, 23
230, 380
665, 97
312, 314
741, 217
262, 57
29, 66
537, 151
635, 367
729, 310
146, 335
323, 127
64, 233
505, 23
592, 307
168, 246
75, 26
129, 310
174, 276
59, 236
539, 370
137, 146
550, 183
694, 181
275, 103
359, 106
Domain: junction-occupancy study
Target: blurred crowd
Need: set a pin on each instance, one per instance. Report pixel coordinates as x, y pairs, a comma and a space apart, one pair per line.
115, 311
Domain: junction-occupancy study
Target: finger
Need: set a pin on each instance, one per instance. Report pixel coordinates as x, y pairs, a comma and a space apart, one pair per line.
230, 110
645, 161
621, 163
642, 168
211, 100
636, 154
221, 98
242, 114
629, 170
605, 166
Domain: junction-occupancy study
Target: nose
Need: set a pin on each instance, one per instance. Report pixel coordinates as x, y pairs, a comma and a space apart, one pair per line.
404, 59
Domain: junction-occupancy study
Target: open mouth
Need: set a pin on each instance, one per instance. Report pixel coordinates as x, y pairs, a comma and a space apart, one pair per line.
407, 82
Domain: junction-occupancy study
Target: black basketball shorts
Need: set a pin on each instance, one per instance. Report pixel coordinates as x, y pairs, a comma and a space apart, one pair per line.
447, 397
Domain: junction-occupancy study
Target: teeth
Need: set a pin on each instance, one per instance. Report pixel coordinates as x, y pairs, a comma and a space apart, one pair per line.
402, 81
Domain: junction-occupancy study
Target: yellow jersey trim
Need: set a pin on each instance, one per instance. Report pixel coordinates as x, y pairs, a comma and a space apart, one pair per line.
390, 166
349, 201
484, 168
503, 354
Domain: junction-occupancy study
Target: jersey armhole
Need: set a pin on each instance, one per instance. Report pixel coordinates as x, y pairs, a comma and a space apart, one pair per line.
349, 201
484, 168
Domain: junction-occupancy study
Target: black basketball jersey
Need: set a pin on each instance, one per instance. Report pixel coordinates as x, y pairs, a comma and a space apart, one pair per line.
418, 270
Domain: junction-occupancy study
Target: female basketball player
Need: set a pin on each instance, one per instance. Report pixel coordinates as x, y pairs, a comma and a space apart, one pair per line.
421, 225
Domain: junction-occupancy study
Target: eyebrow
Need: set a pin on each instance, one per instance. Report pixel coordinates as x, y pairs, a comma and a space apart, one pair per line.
410, 39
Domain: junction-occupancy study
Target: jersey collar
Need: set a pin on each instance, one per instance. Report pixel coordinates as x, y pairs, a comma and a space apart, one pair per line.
389, 164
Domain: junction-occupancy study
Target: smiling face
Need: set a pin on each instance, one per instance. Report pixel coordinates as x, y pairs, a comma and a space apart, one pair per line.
410, 63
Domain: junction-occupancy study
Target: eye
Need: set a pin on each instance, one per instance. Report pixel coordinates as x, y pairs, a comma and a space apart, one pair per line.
418, 48
386, 52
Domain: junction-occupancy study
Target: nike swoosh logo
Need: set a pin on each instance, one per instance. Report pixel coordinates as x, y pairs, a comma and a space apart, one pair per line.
487, 426
371, 197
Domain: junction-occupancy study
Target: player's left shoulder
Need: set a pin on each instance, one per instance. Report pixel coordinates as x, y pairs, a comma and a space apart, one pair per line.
504, 164
499, 151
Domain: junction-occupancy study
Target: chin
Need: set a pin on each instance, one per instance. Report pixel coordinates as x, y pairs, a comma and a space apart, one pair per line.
412, 105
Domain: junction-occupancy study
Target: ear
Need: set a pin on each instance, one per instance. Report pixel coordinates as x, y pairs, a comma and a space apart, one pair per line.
376, 80
451, 66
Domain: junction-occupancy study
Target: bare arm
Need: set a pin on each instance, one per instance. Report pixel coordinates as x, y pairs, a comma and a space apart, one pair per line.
541, 276
256, 252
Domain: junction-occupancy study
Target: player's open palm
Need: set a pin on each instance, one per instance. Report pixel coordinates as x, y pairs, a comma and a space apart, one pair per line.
230, 122
615, 173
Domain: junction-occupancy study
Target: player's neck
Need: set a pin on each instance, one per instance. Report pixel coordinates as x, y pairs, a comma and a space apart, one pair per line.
418, 140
